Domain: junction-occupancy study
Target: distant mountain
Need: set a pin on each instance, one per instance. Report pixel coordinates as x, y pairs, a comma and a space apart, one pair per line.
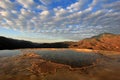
106, 41
8, 43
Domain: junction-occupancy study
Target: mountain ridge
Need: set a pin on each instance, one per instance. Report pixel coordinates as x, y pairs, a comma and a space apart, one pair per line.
105, 41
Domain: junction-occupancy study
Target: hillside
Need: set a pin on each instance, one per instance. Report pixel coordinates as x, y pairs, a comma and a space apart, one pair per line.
106, 41
9, 43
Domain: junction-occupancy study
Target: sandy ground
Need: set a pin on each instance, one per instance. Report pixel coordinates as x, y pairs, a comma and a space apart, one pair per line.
30, 66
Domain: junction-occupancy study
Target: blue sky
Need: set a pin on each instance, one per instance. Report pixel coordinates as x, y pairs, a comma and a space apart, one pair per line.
58, 20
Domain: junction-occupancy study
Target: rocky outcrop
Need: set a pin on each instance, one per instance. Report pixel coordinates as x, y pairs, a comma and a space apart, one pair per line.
110, 42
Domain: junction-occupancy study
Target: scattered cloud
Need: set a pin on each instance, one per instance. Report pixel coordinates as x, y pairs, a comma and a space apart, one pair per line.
78, 20
27, 3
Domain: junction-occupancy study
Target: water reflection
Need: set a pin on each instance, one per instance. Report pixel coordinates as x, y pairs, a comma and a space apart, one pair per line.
69, 57
7, 53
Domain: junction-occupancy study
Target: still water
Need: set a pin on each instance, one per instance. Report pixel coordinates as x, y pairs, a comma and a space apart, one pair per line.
66, 56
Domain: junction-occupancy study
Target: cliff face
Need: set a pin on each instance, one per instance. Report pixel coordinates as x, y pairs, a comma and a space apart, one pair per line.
110, 42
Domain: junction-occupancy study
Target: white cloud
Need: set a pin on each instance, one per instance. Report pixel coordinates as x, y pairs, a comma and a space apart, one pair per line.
44, 13
7, 5
63, 22
114, 6
94, 3
4, 13
41, 7
60, 11
27, 3
77, 6
47, 2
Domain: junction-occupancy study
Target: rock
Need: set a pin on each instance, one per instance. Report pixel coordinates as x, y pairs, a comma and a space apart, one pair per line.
33, 77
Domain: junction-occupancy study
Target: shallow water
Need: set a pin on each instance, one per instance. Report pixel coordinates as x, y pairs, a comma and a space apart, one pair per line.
66, 56
69, 57
30, 67
7, 53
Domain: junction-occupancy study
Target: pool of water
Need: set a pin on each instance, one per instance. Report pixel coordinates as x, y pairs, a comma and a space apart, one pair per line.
66, 56
69, 57
7, 53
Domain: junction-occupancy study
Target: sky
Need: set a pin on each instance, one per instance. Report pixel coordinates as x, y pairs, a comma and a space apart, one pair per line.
58, 20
